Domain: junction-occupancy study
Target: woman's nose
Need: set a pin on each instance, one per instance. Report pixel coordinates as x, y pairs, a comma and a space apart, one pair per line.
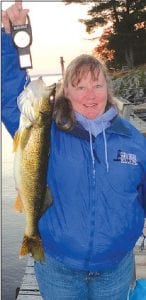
90, 93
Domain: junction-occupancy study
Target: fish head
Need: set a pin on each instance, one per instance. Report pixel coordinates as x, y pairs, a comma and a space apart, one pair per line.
36, 102
46, 104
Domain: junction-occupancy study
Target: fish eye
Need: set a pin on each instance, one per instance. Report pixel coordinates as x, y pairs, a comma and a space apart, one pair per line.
51, 98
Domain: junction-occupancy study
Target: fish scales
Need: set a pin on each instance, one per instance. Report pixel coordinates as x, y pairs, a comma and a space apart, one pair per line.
34, 168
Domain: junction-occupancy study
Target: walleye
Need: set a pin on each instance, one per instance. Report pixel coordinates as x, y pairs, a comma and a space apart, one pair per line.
31, 146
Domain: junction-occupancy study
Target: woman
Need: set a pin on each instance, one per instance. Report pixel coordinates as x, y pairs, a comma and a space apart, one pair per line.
96, 175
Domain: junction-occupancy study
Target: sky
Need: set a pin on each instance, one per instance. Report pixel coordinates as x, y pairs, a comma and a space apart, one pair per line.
56, 32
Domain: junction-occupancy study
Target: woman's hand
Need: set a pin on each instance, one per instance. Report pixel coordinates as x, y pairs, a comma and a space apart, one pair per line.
16, 14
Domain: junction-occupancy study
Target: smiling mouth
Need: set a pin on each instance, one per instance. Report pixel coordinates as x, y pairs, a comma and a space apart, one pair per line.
90, 105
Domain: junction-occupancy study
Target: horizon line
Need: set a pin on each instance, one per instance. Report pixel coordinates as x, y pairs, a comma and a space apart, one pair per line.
45, 74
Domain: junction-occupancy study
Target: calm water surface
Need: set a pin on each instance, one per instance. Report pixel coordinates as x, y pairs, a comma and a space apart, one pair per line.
12, 226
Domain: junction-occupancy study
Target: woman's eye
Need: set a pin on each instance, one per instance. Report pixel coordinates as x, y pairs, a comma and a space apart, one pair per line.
81, 88
98, 86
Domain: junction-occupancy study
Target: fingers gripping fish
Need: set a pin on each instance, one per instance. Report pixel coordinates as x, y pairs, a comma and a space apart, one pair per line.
31, 146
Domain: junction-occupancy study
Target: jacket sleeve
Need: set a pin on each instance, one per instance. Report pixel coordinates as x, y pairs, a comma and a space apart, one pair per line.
13, 81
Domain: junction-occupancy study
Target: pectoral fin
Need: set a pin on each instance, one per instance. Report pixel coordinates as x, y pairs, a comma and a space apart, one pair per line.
25, 137
21, 138
16, 141
18, 205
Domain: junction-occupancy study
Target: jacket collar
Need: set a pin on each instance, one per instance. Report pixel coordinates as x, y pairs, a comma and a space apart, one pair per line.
117, 126
80, 132
100, 123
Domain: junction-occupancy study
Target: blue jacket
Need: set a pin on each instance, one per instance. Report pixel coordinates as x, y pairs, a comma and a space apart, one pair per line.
97, 215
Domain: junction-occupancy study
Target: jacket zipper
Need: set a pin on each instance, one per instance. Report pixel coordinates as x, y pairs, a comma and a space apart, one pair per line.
92, 216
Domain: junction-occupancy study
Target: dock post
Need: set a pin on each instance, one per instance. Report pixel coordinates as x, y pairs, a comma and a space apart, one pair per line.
62, 65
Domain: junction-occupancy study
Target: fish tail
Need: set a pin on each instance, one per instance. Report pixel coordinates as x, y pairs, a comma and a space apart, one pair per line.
34, 246
18, 205
16, 141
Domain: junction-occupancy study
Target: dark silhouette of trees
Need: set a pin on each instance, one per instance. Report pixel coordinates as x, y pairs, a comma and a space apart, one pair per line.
127, 38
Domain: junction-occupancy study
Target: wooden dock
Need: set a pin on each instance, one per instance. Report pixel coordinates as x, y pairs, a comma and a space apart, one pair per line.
29, 289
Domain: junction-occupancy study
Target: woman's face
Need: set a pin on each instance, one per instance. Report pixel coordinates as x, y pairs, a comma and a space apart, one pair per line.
89, 96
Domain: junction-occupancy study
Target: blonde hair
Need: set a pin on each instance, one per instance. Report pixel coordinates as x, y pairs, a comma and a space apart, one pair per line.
76, 70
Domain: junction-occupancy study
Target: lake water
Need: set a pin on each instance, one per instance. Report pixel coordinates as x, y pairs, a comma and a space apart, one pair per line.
13, 223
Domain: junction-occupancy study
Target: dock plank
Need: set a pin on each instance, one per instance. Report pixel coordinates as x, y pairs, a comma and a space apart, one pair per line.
29, 289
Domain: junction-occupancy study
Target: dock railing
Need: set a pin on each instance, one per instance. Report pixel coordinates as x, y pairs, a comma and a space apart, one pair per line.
127, 110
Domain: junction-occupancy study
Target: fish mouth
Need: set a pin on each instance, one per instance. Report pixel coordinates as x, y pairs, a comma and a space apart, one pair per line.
51, 87
50, 91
